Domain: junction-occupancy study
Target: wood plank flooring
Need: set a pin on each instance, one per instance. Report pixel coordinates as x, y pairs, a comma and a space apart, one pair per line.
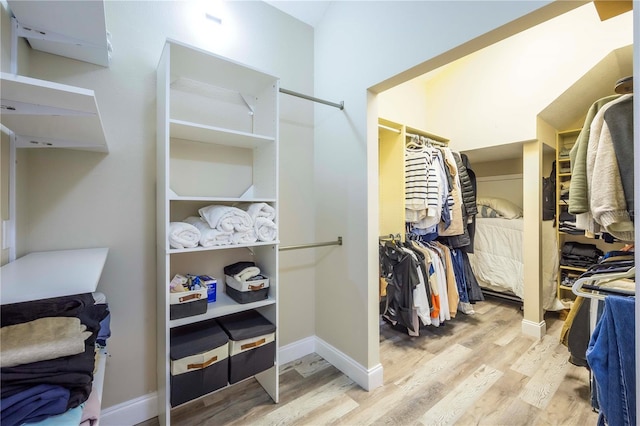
475, 370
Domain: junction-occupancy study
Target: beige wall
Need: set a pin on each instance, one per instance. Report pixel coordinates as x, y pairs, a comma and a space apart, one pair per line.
386, 42
108, 200
75, 199
494, 95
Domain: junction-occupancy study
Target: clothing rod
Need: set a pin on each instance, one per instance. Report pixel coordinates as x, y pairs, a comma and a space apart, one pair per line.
382, 126
411, 135
338, 242
311, 98
390, 237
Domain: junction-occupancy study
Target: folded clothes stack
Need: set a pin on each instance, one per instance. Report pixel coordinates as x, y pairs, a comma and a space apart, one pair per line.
243, 271
567, 224
580, 255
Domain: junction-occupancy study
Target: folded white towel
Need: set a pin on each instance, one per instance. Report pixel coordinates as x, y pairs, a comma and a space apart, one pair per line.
183, 235
208, 236
265, 229
246, 237
256, 210
247, 273
226, 218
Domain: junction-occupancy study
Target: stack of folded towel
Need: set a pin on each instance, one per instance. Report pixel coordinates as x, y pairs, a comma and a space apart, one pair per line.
216, 225
183, 235
263, 217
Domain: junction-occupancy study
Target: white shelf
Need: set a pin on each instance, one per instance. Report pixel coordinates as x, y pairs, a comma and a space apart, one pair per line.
223, 305
55, 28
206, 68
44, 114
225, 247
221, 199
209, 134
42, 275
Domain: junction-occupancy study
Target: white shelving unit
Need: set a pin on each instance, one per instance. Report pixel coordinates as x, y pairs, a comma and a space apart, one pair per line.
217, 144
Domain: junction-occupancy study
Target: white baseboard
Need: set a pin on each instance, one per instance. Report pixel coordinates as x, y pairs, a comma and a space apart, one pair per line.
533, 329
296, 350
145, 407
131, 412
368, 379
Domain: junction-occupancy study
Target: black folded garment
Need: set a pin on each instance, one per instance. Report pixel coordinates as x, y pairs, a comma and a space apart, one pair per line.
580, 249
237, 267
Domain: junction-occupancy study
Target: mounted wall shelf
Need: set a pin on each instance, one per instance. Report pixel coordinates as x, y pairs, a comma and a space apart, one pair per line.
54, 27
51, 115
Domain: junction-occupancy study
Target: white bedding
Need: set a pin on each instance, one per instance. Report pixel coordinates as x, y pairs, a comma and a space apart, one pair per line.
497, 258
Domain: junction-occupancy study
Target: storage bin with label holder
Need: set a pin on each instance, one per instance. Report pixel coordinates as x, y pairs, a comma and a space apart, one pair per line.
247, 291
187, 303
252, 345
199, 360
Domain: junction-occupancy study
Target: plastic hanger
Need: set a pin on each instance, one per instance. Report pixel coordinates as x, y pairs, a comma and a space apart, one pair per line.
602, 278
415, 143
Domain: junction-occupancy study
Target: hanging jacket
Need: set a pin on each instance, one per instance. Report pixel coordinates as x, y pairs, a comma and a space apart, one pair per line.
466, 186
402, 274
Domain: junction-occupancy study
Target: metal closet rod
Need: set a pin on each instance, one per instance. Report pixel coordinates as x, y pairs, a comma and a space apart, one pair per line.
338, 242
311, 98
432, 141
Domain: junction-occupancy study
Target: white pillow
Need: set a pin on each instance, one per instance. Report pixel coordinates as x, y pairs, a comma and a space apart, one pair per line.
505, 208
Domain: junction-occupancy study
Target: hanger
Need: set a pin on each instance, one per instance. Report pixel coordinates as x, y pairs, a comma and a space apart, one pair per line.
602, 278
624, 85
415, 143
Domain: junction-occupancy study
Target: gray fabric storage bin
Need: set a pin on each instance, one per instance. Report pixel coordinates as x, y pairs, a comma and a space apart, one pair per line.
199, 360
187, 304
252, 345
247, 291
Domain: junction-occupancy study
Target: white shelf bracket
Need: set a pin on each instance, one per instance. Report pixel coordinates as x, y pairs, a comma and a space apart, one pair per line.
40, 34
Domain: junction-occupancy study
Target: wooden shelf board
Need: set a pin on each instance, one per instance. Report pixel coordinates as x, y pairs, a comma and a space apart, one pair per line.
572, 268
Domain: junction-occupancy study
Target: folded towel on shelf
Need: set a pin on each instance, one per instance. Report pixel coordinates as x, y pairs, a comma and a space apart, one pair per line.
242, 271
42, 339
246, 237
226, 218
208, 236
256, 210
265, 229
183, 235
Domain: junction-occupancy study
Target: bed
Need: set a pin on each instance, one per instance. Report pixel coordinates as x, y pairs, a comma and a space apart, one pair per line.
497, 258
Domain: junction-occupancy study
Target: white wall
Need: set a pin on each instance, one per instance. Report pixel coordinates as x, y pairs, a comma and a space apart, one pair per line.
359, 45
81, 199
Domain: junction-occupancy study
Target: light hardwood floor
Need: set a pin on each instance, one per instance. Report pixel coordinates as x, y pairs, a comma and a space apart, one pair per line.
476, 370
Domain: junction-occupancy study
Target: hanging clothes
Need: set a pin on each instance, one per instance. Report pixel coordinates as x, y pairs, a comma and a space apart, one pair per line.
607, 202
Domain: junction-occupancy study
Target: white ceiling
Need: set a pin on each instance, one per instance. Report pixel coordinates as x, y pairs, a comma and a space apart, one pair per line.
307, 11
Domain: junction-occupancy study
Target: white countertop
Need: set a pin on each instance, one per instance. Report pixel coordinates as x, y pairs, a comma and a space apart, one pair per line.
41, 275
